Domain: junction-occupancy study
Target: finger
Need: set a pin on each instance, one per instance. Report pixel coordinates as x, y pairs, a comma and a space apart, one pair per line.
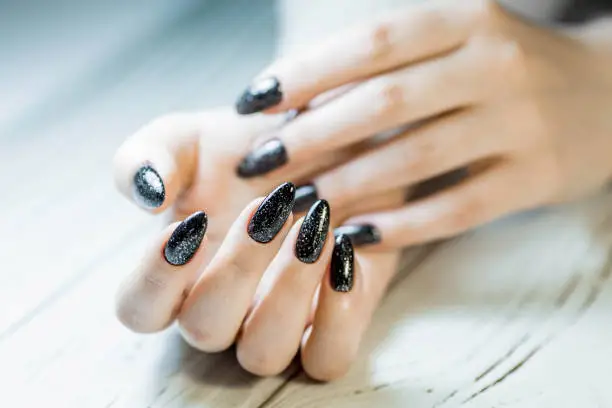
215, 308
398, 39
154, 165
348, 296
150, 299
421, 154
271, 333
507, 187
389, 101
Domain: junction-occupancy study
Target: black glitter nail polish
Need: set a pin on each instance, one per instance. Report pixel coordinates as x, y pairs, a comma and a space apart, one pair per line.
186, 239
360, 235
313, 232
272, 213
259, 96
305, 197
342, 265
267, 157
148, 188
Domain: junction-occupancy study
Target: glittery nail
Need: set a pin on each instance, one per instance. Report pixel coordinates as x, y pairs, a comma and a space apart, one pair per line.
272, 213
267, 157
305, 196
313, 232
186, 239
148, 188
360, 235
342, 265
259, 96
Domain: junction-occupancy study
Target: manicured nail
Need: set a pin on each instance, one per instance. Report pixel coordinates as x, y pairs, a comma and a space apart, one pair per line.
272, 213
148, 188
305, 197
292, 114
259, 96
360, 235
313, 233
342, 265
186, 239
267, 157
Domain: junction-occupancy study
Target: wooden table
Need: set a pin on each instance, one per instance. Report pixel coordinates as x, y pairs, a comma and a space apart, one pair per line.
516, 314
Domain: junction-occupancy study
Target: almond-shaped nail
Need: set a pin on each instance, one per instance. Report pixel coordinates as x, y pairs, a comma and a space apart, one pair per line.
360, 235
305, 196
148, 188
272, 213
313, 233
260, 95
341, 270
186, 239
265, 158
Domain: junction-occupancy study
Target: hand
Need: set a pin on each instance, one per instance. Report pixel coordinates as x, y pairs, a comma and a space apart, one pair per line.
526, 108
272, 287
186, 163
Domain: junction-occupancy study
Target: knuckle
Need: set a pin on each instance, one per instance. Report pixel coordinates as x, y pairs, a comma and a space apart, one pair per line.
500, 62
200, 338
325, 371
424, 155
511, 59
133, 317
388, 95
129, 318
260, 362
465, 213
424, 148
379, 40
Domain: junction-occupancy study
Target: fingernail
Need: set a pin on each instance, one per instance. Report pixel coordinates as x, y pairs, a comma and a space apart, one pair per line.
272, 213
267, 157
186, 239
360, 235
342, 265
313, 232
305, 197
148, 188
292, 114
259, 96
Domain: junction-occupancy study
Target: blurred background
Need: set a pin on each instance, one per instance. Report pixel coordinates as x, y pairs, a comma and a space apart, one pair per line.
76, 78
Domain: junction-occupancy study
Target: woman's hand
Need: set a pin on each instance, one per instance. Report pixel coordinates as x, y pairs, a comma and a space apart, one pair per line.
274, 287
208, 267
526, 108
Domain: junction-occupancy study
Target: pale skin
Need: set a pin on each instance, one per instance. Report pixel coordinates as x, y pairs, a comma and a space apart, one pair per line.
527, 109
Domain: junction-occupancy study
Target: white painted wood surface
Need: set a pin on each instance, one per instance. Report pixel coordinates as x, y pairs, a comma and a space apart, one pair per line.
517, 314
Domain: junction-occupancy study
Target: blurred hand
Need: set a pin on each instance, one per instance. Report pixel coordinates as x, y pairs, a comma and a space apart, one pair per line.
261, 278
527, 108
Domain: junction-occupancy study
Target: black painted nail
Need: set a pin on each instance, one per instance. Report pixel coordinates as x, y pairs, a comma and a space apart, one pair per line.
342, 265
148, 188
360, 235
305, 197
313, 233
272, 213
259, 96
186, 239
267, 157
